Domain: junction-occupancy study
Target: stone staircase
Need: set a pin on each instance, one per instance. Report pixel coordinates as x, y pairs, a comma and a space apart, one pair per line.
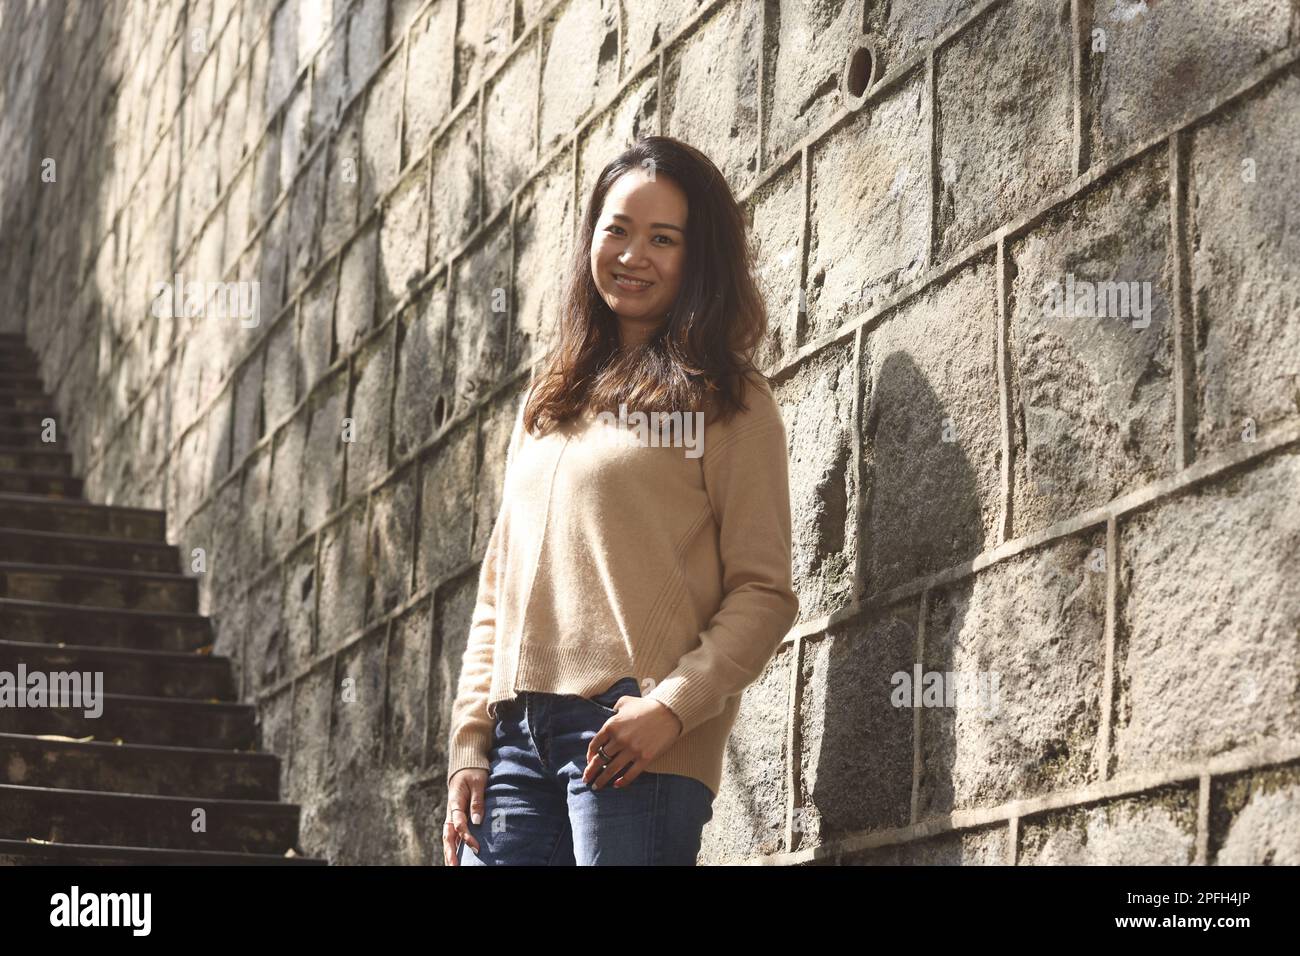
96, 588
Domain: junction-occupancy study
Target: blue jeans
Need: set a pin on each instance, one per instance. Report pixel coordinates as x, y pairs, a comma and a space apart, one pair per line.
539, 812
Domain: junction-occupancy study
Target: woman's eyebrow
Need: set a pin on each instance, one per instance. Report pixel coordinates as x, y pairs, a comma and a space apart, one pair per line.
653, 225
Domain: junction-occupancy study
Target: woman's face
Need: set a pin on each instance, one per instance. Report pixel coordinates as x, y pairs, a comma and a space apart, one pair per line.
640, 235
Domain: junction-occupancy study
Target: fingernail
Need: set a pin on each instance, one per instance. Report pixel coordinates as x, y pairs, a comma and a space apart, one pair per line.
477, 818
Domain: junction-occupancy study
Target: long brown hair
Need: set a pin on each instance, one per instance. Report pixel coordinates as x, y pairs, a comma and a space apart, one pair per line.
698, 359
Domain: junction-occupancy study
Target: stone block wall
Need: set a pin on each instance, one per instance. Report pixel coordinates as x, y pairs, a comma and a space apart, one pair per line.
1101, 511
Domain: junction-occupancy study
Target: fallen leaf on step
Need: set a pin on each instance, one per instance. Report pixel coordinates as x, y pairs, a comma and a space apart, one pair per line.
75, 740
34, 840
289, 852
205, 649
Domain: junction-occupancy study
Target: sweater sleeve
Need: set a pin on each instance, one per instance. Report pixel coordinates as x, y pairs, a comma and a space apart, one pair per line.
747, 480
471, 725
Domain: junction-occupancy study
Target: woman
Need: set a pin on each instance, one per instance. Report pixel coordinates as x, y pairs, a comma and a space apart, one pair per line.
636, 580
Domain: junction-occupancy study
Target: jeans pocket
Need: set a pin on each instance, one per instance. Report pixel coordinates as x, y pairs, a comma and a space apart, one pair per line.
624, 687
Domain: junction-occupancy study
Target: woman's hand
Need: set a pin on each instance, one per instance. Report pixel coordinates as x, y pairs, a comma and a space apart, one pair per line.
464, 796
640, 731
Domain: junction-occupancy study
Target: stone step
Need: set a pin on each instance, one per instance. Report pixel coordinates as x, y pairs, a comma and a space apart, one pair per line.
143, 673
39, 622
173, 722
32, 513
22, 853
26, 421
135, 819
24, 438
38, 483
85, 551
98, 587
46, 460
138, 768
21, 380
23, 399
20, 361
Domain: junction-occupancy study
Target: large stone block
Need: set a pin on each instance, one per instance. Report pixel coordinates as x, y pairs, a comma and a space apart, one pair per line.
1027, 636
715, 115
856, 748
322, 458
342, 577
408, 691
778, 254
446, 508
1151, 829
817, 405
749, 811
371, 414
357, 728
579, 65
1162, 60
381, 144
429, 68
1004, 135
480, 316
931, 432
1255, 816
509, 139
355, 312
284, 505
422, 393
403, 238
1243, 177
633, 115
868, 207
1092, 381
390, 547
1205, 644
543, 247
455, 184
300, 583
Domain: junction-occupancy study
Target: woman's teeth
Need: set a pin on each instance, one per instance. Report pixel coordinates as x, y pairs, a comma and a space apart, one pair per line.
629, 281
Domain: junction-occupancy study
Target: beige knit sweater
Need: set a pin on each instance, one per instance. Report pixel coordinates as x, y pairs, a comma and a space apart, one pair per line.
617, 555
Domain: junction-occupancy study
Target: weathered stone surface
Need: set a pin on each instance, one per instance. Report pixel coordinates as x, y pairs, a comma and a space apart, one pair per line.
509, 142
390, 544
342, 588
322, 462
301, 583
1093, 391
646, 26
483, 35
315, 326
749, 811
403, 235
455, 184
355, 310
1163, 60
422, 396
357, 732
1244, 286
805, 52
1254, 818
720, 119
381, 144
856, 748
544, 224
778, 254
633, 115
446, 508
1155, 829
408, 691
868, 207
1028, 635
284, 511
931, 437
480, 317
429, 68
1003, 139
985, 846
579, 65
817, 406
370, 412
903, 30
1208, 615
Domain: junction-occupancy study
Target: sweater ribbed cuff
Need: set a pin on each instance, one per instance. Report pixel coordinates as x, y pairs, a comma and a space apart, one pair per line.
469, 749
689, 696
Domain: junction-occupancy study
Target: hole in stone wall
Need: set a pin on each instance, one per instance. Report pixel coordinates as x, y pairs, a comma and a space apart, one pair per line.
859, 73
440, 412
